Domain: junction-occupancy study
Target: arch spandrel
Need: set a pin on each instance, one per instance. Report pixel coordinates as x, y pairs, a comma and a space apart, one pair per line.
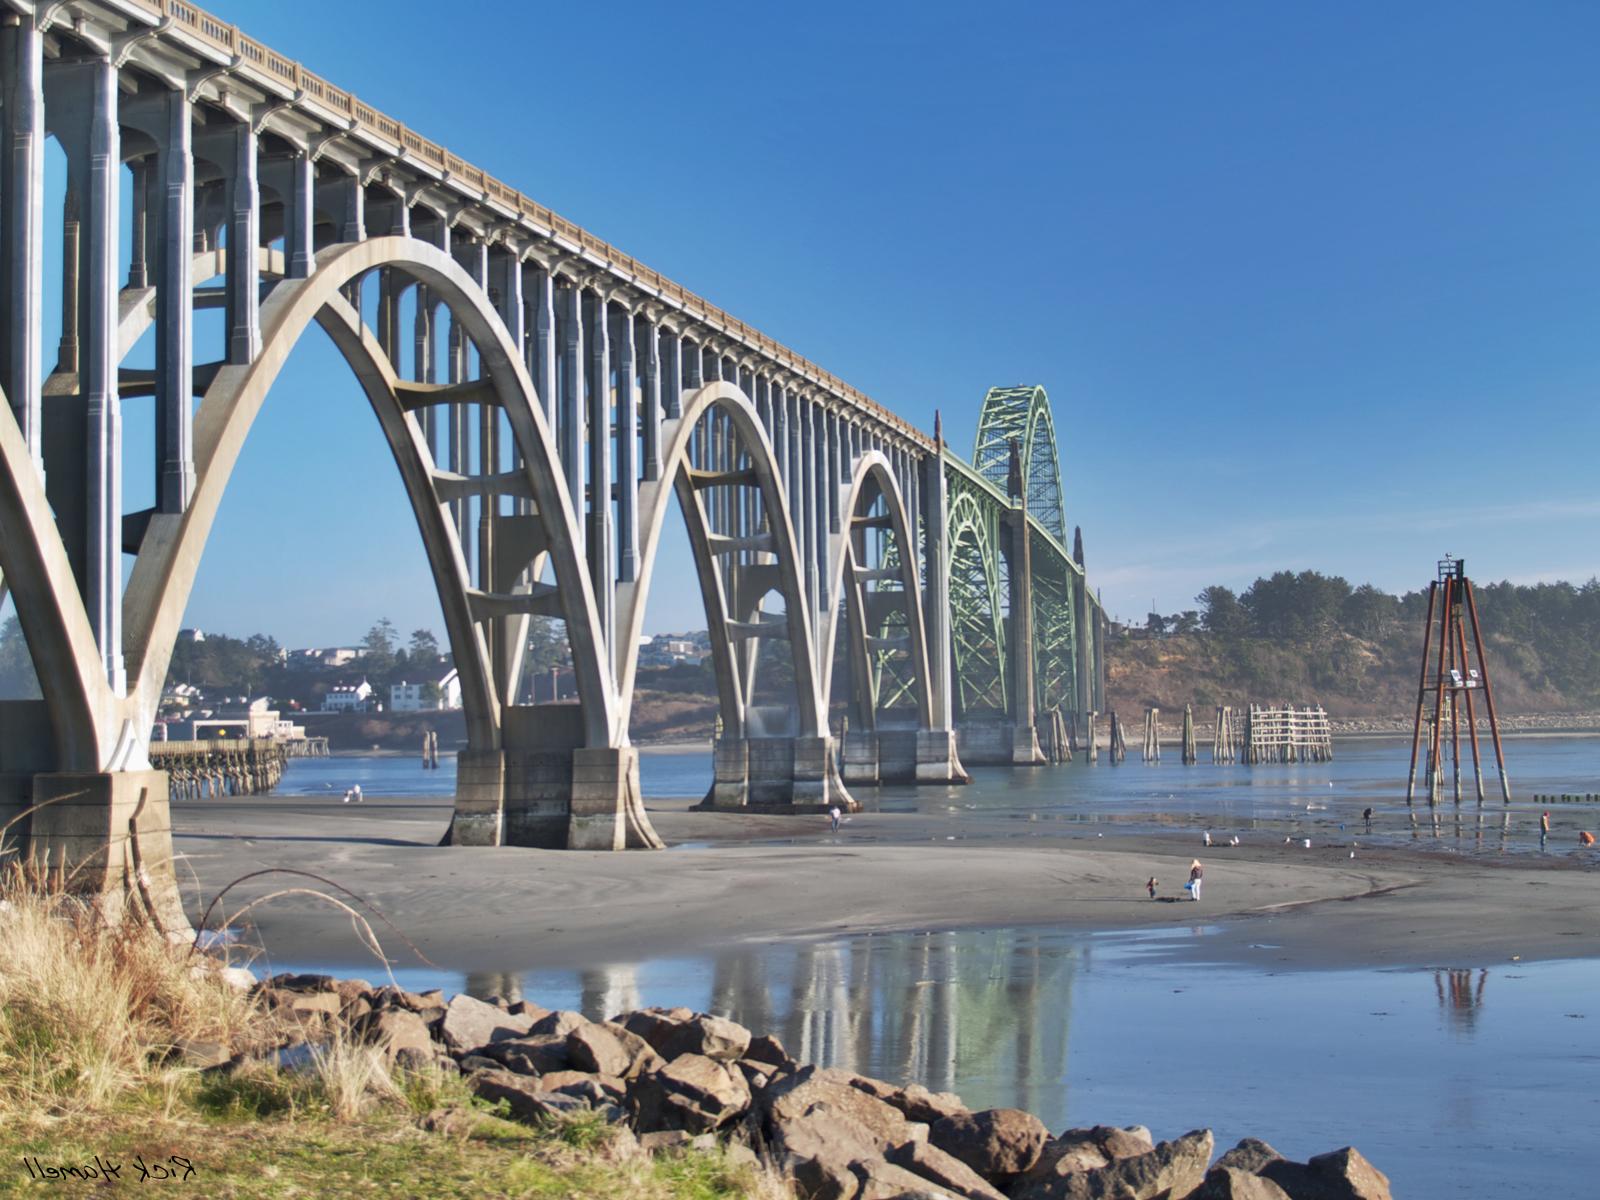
874, 477
165, 570
673, 489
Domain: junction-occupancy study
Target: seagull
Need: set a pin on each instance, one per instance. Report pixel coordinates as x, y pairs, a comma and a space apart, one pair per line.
1234, 840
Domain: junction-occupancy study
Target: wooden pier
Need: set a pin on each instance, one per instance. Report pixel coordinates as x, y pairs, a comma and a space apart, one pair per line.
222, 766
1287, 735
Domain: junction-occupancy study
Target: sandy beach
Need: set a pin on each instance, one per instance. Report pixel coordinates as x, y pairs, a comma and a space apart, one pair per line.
734, 878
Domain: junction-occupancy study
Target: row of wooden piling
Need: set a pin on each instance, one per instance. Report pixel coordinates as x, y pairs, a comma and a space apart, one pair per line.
1261, 734
213, 767
1569, 798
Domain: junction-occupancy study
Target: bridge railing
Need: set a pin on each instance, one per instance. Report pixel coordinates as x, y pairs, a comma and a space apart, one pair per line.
223, 38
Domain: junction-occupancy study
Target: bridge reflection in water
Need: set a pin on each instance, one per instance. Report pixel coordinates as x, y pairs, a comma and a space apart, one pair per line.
985, 1013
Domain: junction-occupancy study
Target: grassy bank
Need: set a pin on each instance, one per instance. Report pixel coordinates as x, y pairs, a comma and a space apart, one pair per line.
105, 1040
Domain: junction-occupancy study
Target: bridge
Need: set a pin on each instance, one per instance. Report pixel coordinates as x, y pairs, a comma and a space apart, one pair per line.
550, 402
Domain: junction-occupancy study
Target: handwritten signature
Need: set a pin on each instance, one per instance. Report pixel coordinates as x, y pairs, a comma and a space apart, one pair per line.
174, 1167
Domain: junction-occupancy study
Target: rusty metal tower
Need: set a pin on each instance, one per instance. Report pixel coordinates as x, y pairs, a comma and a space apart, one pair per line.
1457, 677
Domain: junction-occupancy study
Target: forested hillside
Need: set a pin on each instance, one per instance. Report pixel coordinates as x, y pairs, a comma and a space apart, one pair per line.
1307, 637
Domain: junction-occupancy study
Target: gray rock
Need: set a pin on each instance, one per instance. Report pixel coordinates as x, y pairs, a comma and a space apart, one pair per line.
523, 1096
193, 1052
641, 1056
593, 1048
817, 1151
948, 1172
1340, 1175
919, 1104
672, 1032
692, 1092
479, 1062
1073, 1153
1233, 1183
557, 1024
818, 1089
998, 1143
1250, 1155
662, 1140
1172, 1169
531, 1055
769, 1050
394, 1030
883, 1180
470, 1024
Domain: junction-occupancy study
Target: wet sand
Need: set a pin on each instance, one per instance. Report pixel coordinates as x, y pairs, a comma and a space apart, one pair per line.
734, 878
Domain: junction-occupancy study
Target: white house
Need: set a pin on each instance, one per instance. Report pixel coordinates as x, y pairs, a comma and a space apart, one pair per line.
416, 697
347, 697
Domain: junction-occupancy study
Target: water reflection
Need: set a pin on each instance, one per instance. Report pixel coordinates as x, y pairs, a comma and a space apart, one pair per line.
1461, 998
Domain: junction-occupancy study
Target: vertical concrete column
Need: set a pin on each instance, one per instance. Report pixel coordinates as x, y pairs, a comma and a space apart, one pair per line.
244, 237
22, 232
940, 745
601, 530
1019, 645
831, 448
353, 225
627, 451
388, 329
672, 373
98, 362
139, 224
507, 268
299, 249
819, 498
175, 309
425, 362
544, 342
694, 364
652, 400
571, 424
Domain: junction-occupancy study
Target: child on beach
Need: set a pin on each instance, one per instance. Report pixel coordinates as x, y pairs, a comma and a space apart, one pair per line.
1150, 886
1196, 873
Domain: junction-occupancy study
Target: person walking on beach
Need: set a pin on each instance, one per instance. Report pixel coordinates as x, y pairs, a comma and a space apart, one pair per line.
1544, 828
833, 819
1150, 886
1196, 874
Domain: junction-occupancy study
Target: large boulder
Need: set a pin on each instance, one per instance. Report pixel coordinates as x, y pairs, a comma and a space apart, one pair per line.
394, 1030
692, 1092
526, 1100
594, 1049
945, 1170
530, 1055
557, 1024
821, 1089
1073, 1153
1171, 1171
1250, 1155
769, 1051
998, 1143
819, 1150
470, 1024
919, 1104
1233, 1183
882, 1180
676, 1031
641, 1056
1339, 1175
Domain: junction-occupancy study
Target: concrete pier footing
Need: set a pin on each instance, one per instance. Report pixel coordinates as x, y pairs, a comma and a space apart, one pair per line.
873, 757
108, 835
776, 775
998, 744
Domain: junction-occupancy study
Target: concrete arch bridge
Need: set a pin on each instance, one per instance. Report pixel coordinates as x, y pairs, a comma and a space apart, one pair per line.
550, 403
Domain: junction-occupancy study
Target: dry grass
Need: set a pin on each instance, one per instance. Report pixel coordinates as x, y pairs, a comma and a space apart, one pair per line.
89, 1016
89, 1010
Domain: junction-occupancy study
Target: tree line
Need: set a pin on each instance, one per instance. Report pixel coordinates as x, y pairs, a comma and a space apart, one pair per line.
1549, 631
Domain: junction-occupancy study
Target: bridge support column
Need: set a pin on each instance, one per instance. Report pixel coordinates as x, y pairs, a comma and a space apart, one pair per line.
1019, 646
546, 789
937, 758
108, 835
776, 775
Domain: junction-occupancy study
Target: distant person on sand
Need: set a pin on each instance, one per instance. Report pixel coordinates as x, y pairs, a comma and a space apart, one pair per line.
1544, 827
1196, 874
1366, 815
1586, 838
1150, 886
356, 792
833, 819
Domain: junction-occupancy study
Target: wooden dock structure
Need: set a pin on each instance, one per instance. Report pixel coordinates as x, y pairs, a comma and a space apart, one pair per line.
222, 766
1287, 735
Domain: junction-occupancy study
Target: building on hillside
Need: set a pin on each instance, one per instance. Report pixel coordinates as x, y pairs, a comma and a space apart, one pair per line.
443, 693
249, 719
191, 635
348, 697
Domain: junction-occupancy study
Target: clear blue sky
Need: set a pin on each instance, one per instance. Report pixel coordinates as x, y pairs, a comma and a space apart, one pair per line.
1310, 286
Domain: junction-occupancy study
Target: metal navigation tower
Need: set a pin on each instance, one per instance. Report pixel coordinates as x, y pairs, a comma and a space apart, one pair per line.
1457, 677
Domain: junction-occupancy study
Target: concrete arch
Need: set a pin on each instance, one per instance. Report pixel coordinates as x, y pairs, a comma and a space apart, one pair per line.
730, 603
874, 478
165, 570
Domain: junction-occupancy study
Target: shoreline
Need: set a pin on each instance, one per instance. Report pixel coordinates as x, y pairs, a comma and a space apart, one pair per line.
730, 879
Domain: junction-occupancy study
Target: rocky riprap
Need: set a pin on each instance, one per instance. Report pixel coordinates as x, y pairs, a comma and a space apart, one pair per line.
671, 1079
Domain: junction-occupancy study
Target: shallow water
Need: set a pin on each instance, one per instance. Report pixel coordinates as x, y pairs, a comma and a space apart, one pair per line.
1454, 1082
1323, 801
